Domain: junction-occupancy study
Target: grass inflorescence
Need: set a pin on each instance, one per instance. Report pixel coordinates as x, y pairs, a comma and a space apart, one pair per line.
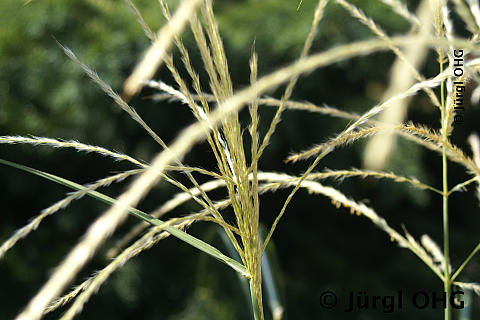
239, 172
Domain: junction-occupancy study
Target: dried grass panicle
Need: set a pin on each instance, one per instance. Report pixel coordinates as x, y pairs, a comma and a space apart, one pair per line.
172, 92
219, 147
319, 10
414, 53
114, 95
332, 143
184, 94
68, 297
403, 74
416, 248
475, 11
147, 241
402, 10
222, 130
168, 206
105, 225
152, 59
454, 153
92, 284
133, 9
35, 222
434, 250
56, 143
354, 172
266, 101
277, 180
464, 12
470, 286
428, 138
430, 83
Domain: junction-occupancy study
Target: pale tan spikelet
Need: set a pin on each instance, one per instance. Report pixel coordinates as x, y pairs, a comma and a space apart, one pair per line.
114, 95
402, 10
187, 169
217, 48
187, 99
154, 55
172, 92
434, 251
34, 223
335, 142
252, 182
283, 180
207, 59
103, 85
253, 108
453, 152
148, 32
475, 10
357, 13
420, 251
466, 15
471, 286
69, 144
327, 110
68, 297
354, 172
307, 106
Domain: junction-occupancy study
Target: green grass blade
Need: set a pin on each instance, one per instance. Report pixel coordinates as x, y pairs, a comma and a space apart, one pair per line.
243, 282
197, 243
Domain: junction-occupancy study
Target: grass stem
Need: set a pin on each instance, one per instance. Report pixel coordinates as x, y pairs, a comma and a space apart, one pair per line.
255, 306
446, 241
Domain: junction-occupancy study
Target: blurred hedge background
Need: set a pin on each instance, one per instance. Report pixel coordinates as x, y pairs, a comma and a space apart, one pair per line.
318, 247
